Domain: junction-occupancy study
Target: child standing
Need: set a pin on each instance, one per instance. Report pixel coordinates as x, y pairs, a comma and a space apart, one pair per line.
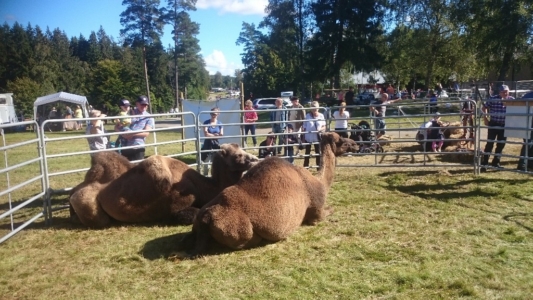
124, 123
96, 127
436, 134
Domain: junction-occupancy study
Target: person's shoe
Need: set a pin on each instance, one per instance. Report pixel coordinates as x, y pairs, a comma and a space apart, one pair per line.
483, 170
497, 166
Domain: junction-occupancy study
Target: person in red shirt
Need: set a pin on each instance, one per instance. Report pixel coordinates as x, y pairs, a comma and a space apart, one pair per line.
250, 117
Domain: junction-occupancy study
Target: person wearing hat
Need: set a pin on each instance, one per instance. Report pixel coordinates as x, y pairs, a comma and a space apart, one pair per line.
314, 125
140, 120
96, 127
124, 123
494, 111
124, 105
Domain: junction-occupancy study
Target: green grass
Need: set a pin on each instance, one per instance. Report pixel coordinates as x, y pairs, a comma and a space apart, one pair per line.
397, 233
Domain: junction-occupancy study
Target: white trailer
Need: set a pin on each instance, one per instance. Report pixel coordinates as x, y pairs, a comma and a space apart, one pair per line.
7, 109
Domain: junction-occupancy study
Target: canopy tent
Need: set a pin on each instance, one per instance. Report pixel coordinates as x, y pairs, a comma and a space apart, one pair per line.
61, 96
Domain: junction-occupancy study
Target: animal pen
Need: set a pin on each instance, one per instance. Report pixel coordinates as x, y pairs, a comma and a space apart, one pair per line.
40, 168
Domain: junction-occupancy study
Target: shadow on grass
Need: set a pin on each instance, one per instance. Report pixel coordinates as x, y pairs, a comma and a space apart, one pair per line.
513, 217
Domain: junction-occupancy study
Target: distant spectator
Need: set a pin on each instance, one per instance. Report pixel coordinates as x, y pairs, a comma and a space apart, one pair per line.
390, 91
314, 125
433, 108
341, 118
278, 117
349, 97
296, 117
340, 97
52, 114
250, 117
379, 109
78, 114
124, 123
268, 146
214, 129
436, 134
96, 127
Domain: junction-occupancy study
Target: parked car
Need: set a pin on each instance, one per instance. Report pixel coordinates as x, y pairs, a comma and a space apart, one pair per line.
366, 97
528, 95
264, 103
269, 103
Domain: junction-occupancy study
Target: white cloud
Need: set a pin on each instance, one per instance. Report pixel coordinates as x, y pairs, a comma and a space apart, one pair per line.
216, 62
243, 7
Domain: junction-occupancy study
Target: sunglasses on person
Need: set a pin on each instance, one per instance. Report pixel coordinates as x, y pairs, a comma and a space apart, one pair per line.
144, 105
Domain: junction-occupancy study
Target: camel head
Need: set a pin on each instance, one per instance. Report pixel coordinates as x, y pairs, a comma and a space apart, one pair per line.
339, 145
235, 158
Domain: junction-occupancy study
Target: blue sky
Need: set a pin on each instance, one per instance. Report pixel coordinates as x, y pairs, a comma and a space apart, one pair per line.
220, 23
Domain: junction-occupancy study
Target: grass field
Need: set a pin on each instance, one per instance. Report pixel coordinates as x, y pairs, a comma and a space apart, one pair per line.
396, 233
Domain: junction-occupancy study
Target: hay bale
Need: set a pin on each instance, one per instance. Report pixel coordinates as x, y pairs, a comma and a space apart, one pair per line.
384, 140
464, 155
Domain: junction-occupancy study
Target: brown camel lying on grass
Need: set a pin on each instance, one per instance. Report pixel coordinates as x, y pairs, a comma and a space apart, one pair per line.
157, 189
269, 203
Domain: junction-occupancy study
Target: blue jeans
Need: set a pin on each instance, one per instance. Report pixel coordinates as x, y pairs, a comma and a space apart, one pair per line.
250, 128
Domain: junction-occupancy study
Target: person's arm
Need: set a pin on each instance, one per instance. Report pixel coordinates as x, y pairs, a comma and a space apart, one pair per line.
221, 133
485, 110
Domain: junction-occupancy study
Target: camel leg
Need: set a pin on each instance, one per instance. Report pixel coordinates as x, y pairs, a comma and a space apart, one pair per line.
232, 228
313, 215
87, 208
185, 216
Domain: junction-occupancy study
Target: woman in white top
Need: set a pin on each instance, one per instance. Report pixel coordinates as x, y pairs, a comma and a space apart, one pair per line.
313, 125
341, 120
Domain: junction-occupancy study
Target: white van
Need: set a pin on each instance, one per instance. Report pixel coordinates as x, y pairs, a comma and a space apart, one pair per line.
7, 109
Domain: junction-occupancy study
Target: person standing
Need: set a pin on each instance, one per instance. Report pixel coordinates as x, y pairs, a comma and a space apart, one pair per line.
78, 114
279, 119
433, 108
349, 96
96, 127
140, 120
313, 126
494, 111
379, 109
214, 129
340, 97
341, 117
250, 117
296, 116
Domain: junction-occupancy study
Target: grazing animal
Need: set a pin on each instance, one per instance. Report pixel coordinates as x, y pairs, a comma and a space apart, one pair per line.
157, 189
269, 203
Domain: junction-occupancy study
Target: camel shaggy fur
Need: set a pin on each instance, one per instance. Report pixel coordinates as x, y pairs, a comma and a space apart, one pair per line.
269, 203
157, 189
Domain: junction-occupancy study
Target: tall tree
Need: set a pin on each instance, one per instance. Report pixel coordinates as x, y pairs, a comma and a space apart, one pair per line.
172, 15
348, 32
500, 30
142, 26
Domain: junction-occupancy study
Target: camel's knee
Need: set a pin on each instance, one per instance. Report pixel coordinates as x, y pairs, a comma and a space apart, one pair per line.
87, 210
233, 229
185, 216
314, 215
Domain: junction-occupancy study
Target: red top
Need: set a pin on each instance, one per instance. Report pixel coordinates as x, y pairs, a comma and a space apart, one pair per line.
250, 116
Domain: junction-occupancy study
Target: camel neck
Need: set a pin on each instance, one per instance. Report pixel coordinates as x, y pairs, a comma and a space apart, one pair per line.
328, 165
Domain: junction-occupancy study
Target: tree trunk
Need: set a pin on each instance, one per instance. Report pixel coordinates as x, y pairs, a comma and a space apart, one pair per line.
146, 79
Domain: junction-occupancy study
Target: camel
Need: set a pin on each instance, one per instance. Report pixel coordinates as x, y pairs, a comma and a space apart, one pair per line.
269, 202
157, 189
